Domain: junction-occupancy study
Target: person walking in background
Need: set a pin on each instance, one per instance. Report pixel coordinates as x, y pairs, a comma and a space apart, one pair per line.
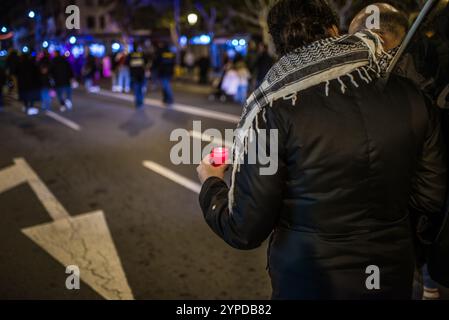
244, 77
204, 67
28, 78
46, 82
89, 71
12, 63
231, 81
189, 62
263, 64
137, 66
165, 64
62, 75
123, 73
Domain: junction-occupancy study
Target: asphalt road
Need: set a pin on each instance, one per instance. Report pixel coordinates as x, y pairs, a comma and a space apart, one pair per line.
153, 237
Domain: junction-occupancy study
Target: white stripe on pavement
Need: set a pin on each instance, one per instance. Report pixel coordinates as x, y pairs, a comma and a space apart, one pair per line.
49, 201
207, 138
173, 176
62, 120
222, 116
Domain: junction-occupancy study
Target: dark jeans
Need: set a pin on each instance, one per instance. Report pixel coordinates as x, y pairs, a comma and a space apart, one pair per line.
139, 93
64, 93
427, 280
29, 97
45, 98
167, 90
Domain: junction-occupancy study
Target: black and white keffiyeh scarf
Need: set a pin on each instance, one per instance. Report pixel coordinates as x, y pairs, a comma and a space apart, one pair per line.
320, 62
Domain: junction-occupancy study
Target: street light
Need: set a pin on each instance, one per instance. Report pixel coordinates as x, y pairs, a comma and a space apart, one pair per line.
4, 29
192, 18
45, 44
31, 14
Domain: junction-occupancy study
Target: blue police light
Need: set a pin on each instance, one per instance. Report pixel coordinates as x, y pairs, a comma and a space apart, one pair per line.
45, 44
116, 46
72, 40
203, 39
77, 51
3, 53
25, 49
235, 42
242, 42
4, 29
183, 41
31, 14
97, 50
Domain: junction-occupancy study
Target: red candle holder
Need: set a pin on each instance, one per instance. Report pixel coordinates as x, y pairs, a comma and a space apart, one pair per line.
219, 156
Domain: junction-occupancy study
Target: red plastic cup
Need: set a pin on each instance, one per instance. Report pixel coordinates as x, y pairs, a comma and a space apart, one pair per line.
219, 156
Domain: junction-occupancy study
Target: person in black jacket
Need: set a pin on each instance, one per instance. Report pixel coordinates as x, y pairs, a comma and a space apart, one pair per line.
46, 82
137, 63
28, 79
352, 159
165, 65
62, 74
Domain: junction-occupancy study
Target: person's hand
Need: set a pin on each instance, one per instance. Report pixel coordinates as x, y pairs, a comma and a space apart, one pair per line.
206, 170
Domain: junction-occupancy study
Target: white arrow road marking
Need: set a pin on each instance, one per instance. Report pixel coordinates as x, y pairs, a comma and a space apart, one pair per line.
173, 176
49, 201
64, 121
84, 241
222, 116
207, 138
10, 178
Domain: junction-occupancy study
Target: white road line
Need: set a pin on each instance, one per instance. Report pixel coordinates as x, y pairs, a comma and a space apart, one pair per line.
62, 120
48, 200
216, 115
10, 178
73, 240
207, 138
173, 176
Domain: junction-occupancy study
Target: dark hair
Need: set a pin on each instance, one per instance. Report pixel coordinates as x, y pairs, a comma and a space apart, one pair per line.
295, 23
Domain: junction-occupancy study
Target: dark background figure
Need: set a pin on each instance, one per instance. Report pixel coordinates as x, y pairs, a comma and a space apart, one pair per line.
263, 64
165, 65
62, 75
89, 71
46, 82
137, 66
28, 78
203, 64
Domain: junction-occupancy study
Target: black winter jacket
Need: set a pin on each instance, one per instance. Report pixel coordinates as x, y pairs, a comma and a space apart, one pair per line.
350, 167
61, 71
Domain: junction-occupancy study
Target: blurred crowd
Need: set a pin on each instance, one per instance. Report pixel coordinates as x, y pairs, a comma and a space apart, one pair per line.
39, 79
